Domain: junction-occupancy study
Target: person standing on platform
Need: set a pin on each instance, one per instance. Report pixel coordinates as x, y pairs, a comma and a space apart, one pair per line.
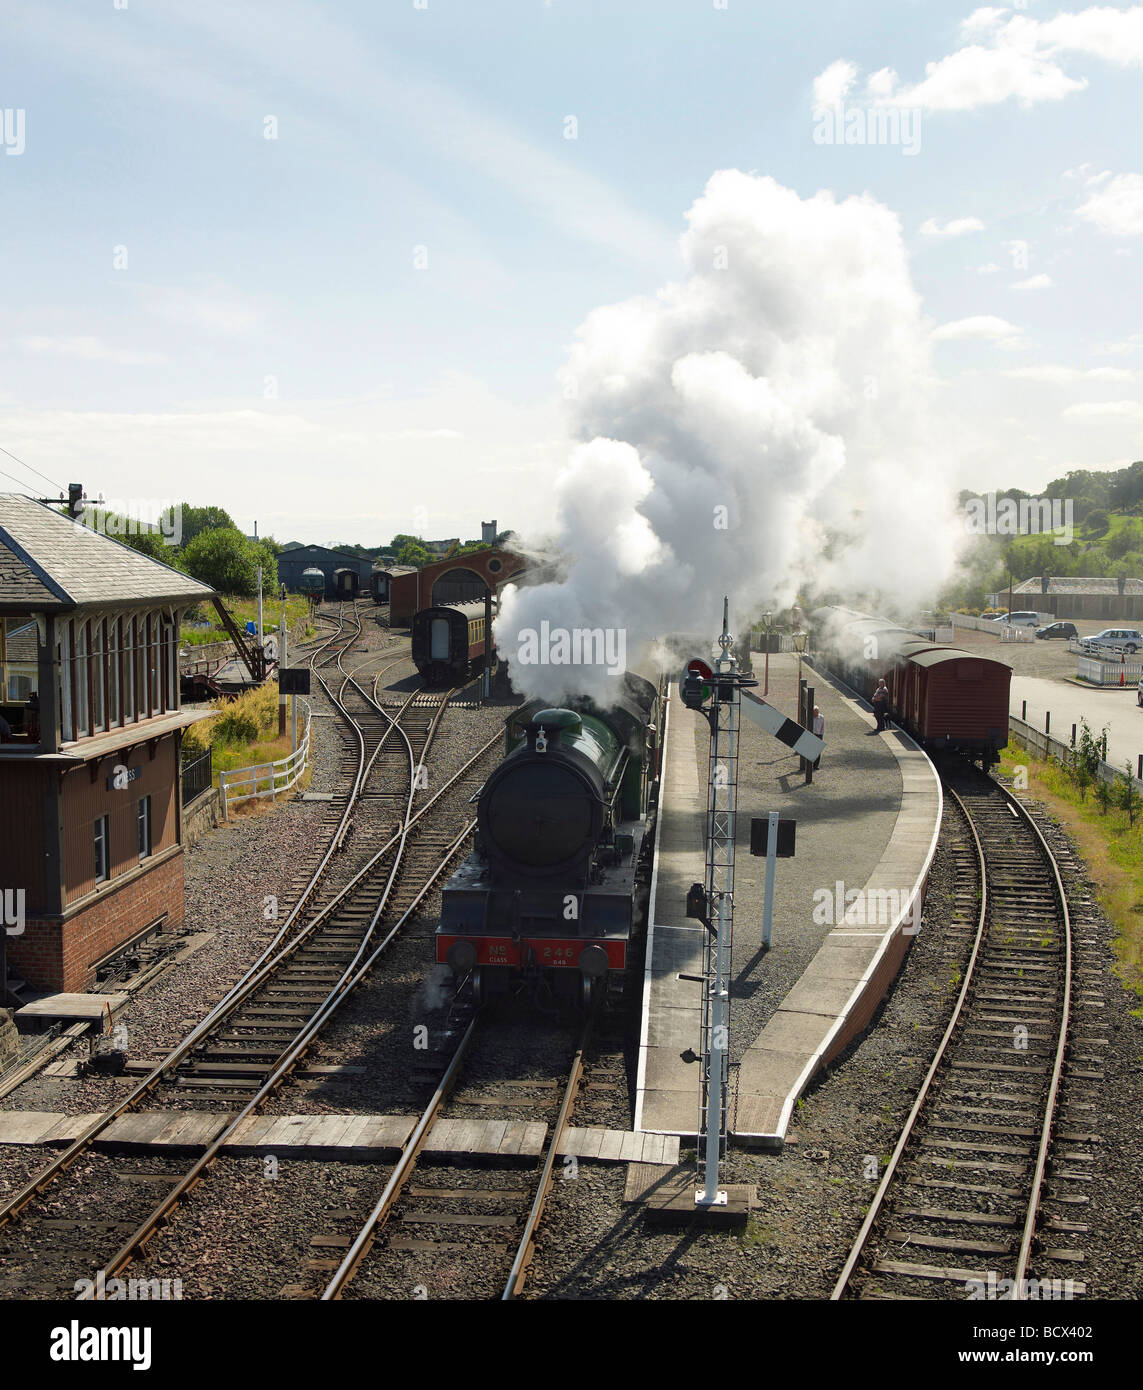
818, 727
881, 705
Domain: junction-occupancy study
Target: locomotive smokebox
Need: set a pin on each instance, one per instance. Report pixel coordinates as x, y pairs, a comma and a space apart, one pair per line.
542, 811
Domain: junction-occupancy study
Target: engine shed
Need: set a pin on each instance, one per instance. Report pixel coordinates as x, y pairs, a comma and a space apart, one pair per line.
91, 854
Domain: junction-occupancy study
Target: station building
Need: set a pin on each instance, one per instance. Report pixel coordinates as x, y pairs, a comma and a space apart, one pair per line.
1115, 600
90, 811
293, 563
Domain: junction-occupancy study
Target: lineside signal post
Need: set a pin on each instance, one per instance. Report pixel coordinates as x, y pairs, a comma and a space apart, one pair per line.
720, 694
712, 903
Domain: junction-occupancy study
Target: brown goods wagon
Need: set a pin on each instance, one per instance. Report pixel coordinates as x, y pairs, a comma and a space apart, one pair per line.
961, 699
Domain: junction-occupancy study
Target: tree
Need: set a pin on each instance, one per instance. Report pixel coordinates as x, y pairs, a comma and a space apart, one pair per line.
226, 560
413, 553
198, 519
151, 543
1127, 796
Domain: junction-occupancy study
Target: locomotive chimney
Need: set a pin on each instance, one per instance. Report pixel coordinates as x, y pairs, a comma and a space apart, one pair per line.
547, 726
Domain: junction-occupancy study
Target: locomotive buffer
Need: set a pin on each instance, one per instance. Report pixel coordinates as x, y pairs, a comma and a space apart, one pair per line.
713, 902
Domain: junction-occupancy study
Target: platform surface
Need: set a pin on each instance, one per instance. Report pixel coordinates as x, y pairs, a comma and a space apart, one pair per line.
852, 833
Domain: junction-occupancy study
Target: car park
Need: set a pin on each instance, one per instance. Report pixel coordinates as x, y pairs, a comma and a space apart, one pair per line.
1054, 630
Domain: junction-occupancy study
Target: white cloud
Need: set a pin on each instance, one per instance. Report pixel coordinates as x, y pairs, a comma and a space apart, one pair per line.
1034, 282
1120, 348
1115, 36
832, 85
1117, 206
1020, 58
977, 76
1111, 410
978, 328
90, 350
1053, 375
959, 226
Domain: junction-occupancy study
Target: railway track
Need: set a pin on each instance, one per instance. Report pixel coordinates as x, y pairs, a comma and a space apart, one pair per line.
471, 1232
263, 1027
980, 1193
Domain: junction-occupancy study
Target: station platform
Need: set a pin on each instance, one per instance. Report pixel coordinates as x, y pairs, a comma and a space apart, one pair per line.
844, 905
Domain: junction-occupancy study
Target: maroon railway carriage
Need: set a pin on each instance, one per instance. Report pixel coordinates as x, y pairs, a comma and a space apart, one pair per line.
448, 642
945, 697
957, 700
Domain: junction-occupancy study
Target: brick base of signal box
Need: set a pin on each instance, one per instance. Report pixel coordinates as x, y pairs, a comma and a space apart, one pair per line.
61, 953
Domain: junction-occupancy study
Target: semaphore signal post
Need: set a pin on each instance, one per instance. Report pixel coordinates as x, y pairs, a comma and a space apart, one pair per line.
721, 695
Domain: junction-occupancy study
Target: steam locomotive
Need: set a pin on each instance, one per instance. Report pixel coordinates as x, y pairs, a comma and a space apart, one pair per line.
554, 895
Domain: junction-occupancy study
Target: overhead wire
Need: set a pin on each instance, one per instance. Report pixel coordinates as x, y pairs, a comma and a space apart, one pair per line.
31, 469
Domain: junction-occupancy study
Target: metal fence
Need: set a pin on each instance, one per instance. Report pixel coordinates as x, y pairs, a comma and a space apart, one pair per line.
267, 779
196, 776
1045, 746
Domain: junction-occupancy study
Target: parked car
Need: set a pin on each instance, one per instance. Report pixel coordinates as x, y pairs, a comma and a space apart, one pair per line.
1054, 630
1115, 639
1024, 618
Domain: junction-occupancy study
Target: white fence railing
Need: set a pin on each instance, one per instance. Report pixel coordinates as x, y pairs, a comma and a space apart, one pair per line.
266, 779
1106, 672
1007, 632
976, 624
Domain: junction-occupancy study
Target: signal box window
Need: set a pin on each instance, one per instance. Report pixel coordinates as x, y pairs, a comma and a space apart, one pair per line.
102, 850
144, 826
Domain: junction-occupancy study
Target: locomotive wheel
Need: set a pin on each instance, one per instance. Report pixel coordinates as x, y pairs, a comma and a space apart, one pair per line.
477, 984
591, 991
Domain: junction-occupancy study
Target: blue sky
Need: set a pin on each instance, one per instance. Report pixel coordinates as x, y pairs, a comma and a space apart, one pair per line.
271, 345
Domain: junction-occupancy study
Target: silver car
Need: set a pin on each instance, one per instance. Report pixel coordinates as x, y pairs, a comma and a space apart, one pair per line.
1115, 639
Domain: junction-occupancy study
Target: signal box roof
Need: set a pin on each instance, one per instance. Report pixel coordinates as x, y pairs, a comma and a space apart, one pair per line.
50, 563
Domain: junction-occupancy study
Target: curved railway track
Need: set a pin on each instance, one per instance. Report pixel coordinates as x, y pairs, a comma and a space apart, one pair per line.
263, 1027
974, 1192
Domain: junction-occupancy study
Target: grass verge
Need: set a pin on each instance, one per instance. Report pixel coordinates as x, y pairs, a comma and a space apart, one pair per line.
1112, 850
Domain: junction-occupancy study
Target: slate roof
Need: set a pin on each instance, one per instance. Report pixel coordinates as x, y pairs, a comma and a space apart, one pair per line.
49, 562
319, 552
1078, 585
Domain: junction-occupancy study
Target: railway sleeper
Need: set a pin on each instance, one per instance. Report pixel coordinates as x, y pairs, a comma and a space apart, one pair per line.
952, 1243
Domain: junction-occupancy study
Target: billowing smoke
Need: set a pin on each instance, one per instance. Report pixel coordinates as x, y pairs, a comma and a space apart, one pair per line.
756, 429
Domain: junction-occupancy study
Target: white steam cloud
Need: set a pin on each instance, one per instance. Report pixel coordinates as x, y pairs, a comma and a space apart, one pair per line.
771, 402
